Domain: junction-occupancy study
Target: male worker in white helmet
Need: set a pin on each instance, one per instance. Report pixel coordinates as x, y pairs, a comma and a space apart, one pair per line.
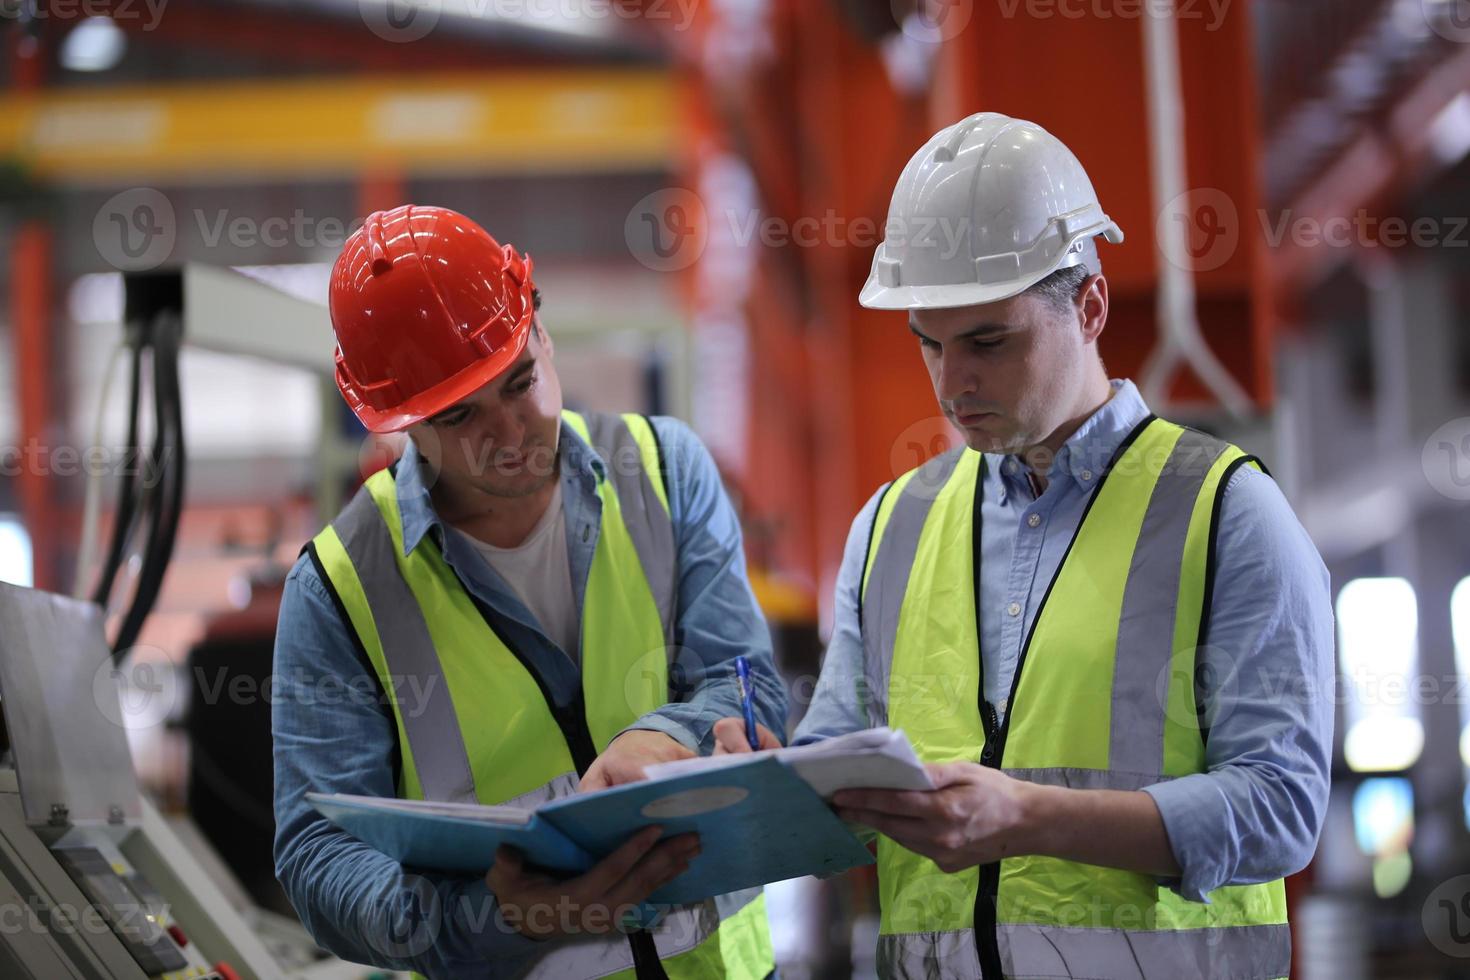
1106, 634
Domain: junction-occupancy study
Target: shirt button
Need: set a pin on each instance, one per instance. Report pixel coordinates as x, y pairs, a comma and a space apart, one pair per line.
1034, 520
1086, 475
1014, 609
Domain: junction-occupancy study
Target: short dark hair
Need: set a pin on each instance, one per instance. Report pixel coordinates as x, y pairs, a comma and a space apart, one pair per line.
535, 298
1060, 288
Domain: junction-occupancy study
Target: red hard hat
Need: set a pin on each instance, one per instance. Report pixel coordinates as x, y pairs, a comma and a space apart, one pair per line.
427, 308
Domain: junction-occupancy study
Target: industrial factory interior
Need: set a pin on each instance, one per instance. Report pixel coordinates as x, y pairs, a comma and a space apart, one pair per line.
812, 489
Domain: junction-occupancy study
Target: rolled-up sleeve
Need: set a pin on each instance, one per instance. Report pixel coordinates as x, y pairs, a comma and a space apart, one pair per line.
717, 617
333, 732
1267, 675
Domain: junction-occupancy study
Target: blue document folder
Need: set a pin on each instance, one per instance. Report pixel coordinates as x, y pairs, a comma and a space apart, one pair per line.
757, 823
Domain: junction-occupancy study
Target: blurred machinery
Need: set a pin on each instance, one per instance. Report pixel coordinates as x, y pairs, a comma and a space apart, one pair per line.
102, 884
95, 882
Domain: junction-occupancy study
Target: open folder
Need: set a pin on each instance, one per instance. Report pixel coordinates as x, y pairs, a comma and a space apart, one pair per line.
758, 819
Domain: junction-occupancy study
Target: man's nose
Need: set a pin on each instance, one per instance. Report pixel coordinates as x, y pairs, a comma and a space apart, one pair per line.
955, 378
505, 429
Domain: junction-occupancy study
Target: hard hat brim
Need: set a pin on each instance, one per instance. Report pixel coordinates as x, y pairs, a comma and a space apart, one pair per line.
431, 402
876, 296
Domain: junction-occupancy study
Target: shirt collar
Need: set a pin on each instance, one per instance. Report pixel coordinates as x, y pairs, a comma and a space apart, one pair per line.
1084, 456
581, 471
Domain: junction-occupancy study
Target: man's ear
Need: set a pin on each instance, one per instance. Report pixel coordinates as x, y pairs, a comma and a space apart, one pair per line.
1092, 302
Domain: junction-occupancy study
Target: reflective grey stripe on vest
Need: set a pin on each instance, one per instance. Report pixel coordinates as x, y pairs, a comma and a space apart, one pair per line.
564, 785
1227, 953
682, 929
888, 577
929, 956
1150, 605
1088, 778
426, 709
648, 521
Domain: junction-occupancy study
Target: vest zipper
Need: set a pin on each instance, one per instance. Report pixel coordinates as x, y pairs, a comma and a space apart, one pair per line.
992, 730
987, 945
987, 939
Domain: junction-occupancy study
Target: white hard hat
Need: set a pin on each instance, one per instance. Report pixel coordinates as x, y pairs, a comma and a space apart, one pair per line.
986, 209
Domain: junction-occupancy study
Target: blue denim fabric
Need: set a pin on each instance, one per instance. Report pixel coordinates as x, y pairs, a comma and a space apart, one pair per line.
334, 734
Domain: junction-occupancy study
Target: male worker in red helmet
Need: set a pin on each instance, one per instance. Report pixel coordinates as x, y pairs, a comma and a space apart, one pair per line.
1107, 634
529, 601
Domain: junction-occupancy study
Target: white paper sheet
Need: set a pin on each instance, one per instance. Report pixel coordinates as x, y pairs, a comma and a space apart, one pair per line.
874, 758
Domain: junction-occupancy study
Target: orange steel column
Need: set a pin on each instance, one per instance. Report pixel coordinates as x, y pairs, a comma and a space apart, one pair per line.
746, 292
831, 386
379, 188
31, 321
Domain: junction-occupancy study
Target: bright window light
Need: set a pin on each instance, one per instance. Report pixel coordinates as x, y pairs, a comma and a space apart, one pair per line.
95, 44
1460, 625
15, 553
1378, 627
1383, 816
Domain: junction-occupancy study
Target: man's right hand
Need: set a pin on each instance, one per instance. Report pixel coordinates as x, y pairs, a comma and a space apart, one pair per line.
542, 907
730, 737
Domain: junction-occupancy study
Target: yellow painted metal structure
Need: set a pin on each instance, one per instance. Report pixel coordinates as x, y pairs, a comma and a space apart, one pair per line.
514, 121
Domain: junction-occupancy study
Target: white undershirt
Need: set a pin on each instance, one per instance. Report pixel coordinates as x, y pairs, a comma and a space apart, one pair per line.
541, 574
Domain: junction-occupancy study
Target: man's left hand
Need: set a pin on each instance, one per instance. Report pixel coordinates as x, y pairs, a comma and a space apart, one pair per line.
975, 816
625, 756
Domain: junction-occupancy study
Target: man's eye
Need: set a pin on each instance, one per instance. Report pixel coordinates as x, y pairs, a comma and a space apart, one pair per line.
928, 344
524, 386
987, 344
451, 421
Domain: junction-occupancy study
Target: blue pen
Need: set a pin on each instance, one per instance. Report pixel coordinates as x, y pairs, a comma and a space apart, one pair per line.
747, 701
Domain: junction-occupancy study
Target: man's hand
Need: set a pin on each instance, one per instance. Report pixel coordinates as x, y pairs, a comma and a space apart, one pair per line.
542, 907
975, 816
730, 737
625, 756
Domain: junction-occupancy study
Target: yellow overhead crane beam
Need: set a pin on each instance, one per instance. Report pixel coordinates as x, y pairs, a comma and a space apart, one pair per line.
483, 122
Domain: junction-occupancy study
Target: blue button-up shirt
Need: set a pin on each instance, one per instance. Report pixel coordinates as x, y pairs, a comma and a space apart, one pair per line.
334, 733
1255, 814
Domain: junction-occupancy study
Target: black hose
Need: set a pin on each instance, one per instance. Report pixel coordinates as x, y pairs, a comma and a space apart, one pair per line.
128, 486
150, 509
166, 503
